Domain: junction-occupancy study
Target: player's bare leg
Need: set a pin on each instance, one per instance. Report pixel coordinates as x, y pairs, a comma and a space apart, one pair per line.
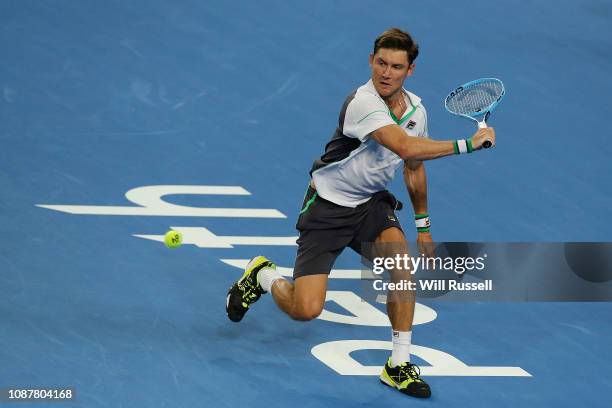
301, 300
399, 373
400, 306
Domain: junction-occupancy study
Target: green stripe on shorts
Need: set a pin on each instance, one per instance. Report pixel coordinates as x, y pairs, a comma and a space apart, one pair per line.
314, 196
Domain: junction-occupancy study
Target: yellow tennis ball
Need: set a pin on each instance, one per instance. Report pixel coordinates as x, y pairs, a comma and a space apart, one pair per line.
173, 239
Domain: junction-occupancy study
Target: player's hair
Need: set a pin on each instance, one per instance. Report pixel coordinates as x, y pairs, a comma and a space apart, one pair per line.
396, 39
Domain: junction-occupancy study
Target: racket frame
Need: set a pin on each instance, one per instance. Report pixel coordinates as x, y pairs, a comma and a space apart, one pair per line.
485, 113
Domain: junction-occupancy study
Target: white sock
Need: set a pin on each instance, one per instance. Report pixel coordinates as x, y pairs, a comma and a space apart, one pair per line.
266, 278
401, 347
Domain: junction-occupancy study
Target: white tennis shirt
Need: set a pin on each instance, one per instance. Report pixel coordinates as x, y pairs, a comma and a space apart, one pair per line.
354, 166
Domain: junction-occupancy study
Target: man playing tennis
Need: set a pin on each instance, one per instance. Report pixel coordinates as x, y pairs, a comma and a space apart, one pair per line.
381, 126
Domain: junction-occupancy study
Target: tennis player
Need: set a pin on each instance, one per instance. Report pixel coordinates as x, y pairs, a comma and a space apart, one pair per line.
381, 126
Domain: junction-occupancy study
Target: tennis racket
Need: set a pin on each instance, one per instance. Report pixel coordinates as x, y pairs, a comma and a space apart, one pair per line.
476, 100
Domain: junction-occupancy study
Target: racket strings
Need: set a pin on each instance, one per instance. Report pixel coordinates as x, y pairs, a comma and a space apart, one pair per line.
476, 98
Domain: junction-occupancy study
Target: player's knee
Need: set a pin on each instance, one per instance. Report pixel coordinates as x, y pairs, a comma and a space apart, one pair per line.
305, 315
307, 312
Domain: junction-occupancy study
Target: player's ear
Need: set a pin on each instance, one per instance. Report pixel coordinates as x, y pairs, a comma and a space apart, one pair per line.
371, 59
411, 69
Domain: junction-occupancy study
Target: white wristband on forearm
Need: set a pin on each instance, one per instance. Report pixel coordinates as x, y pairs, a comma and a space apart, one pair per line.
462, 146
422, 222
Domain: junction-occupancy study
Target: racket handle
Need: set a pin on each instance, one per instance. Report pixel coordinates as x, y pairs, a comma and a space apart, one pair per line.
487, 143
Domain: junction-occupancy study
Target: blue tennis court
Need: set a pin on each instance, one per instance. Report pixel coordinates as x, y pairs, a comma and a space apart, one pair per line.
120, 120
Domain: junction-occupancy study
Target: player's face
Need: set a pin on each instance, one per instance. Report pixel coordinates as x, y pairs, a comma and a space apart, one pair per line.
389, 70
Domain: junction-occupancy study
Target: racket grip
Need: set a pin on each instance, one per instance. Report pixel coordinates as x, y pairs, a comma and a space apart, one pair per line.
487, 143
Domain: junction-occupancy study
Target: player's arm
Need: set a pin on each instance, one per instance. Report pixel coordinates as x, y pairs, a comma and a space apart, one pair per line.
419, 148
415, 179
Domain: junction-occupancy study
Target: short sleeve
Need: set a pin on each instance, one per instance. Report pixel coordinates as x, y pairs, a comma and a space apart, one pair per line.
365, 114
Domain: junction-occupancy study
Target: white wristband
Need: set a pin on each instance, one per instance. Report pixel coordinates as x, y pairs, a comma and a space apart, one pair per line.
462, 145
422, 223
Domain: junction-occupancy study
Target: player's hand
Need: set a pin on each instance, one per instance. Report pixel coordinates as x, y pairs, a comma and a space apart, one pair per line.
481, 136
426, 244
